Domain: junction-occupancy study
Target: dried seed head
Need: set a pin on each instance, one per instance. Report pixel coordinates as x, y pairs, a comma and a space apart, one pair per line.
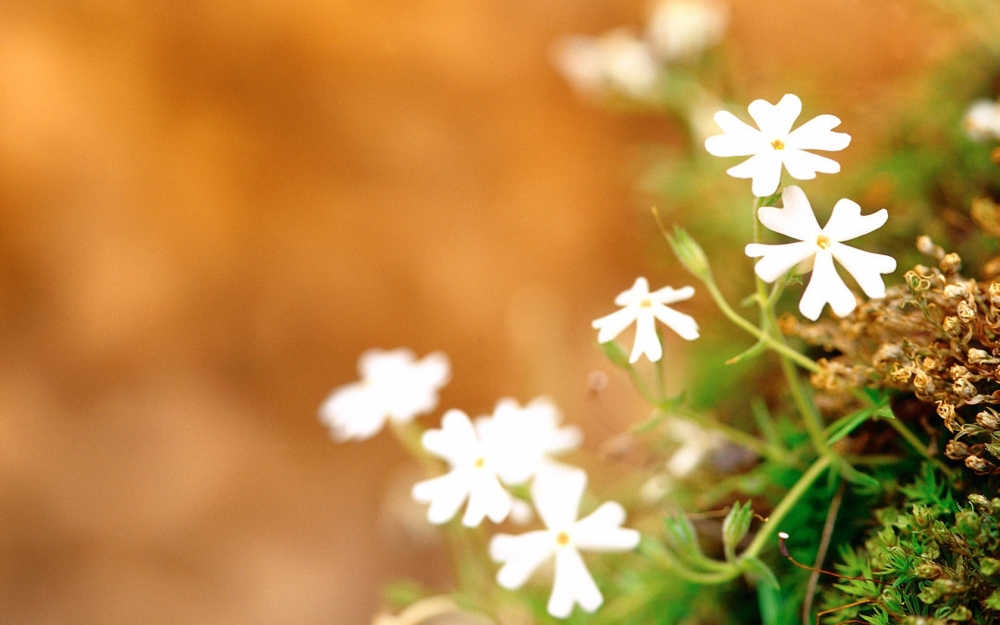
958, 371
945, 410
955, 291
926, 246
988, 419
995, 293
964, 389
952, 325
977, 356
979, 465
966, 312
921, 381
916, 282
901, 374
951, 263
956, 450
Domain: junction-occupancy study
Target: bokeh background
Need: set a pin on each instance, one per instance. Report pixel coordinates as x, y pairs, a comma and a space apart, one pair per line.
209, 209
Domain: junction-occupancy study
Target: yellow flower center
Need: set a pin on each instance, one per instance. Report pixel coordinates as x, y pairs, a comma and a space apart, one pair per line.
823, 241
562, 539
480, 463
646, 303
778, 144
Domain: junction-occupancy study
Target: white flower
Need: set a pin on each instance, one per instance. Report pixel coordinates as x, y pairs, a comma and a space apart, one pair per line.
617, 61
557, 498
524, 437
473, 475
394, 386
510, 447
696, 443
685, 28
982, 120
816, 250
776, 144
641, 306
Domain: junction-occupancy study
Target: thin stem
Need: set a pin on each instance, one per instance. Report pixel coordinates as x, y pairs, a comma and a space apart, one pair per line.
824, 545
741, 438
778, 346
808, 412
785, 506
917, 444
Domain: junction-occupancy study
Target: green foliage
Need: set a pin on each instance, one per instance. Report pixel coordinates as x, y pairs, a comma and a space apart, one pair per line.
929, 558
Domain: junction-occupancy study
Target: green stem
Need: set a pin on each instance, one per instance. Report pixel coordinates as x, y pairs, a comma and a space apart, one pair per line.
741, 438
785, 506
917, 444
778, 346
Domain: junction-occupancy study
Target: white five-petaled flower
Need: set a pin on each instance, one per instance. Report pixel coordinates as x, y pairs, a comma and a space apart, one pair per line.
817, 247
642, 307
394, 385
776, 144
509, 447
557, 497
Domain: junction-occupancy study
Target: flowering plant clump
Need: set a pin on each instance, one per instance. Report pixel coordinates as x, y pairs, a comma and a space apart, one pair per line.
838, 468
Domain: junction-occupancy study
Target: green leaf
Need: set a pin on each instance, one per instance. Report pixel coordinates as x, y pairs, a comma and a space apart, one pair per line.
845, 425
758, 571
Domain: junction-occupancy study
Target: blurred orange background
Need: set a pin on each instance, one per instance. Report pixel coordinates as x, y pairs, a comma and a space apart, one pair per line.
209, 209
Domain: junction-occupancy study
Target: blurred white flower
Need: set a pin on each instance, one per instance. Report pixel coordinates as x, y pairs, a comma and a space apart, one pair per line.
816, 249
982, 120
642, 307
695, 444
616, 61
776, 144
394, 385
525, 437
557, 497
685, 28
473, 475
509, 447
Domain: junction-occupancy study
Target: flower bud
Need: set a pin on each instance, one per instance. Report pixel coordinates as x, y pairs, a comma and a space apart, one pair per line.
966, 312
929, 570
948, 586
989, 566
951, 263
968, 523
689, 253
736, 526
979, 500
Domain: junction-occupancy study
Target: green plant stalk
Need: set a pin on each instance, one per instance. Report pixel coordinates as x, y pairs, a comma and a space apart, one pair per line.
785, 506
778, 346
741, 438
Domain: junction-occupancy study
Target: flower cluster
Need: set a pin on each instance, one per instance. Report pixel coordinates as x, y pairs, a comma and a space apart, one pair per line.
486, 456
622, 63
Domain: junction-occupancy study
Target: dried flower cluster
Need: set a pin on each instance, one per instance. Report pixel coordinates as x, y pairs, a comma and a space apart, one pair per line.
937, 336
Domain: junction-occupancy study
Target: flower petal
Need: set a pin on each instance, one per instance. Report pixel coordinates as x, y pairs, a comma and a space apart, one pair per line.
353, 411
556, 494
865, 267
456, 441
638, 291
646, 340
826, 286
573, 584
601, 530
847, 223
377, 364
764, 168
795, 220
682, 324
804, 165
486, 498
739, 138
669, 295
521, 555
816, 134
614, 324
779, 258
445, 494
775, 121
